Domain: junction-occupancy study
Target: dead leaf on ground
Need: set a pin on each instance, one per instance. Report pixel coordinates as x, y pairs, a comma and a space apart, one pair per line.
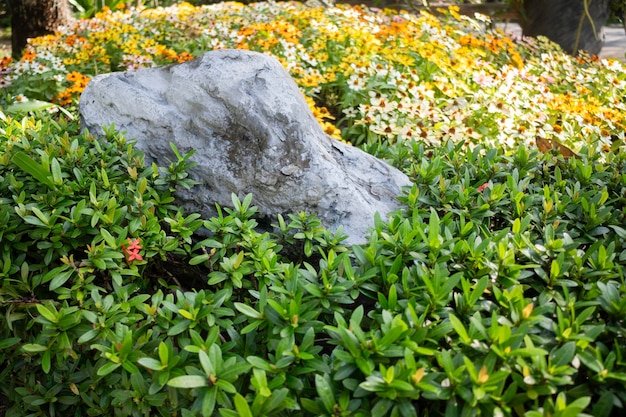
547, 145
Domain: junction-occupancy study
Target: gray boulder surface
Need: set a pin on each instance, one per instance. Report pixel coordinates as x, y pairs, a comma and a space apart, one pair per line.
253, 133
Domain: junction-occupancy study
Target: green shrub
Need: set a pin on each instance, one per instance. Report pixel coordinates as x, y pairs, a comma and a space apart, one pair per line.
496, 290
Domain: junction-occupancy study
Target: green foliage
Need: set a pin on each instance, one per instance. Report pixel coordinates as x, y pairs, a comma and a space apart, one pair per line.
496, 290
88, 8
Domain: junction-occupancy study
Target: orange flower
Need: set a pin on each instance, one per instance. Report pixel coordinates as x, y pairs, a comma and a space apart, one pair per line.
132, 250
4, 62
64, 98
29, 56
184, 56
73, 76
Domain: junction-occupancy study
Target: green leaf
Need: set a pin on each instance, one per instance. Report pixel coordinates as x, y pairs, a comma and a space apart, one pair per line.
563, 355
55, 168
164, 353
325, 391
401, 385
208, 402
459, 329
28, 164
108, 238
105, 177
8, 342
433, 229
350, 342
242, 406
311, 406
207, 364
196, 260
259, 381
260, 363
391, 336
406, 408
45, 361
41, 216
573, 409
382, 406
308, 248
604, 405
34, 347
151, 363
392, 298
230, 373
88, 336
357, 316
590, 361
528, 352
47, 314
225, 386
28, 106
130, 367
248, 311
445, 360
108, 368
60, 279
250, 327
188, 381
34, 221
555, 269
178, 328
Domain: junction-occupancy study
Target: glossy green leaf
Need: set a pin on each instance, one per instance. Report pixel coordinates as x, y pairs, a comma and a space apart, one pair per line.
325, 392
248, 311
188, 381
9, 342
28, 165
46, 313
107, 368
151, 363
459, 328
34, 348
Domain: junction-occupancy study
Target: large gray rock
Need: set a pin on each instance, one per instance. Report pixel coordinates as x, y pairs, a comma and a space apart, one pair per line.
253, 133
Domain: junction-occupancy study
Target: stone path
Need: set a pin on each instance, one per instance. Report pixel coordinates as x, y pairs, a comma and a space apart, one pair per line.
614, 45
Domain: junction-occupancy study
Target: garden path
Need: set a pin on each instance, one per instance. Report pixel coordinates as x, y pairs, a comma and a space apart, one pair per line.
614, 46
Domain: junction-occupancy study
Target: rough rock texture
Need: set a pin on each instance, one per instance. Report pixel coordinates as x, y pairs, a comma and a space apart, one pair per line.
253, 133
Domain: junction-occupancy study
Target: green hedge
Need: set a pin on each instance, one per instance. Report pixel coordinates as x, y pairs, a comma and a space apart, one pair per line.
496, 290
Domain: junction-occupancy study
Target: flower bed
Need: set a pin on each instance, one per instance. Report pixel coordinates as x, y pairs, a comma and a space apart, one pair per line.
370, 74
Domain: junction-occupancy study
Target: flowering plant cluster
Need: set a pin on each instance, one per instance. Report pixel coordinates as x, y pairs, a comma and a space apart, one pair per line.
368, 74
131, 251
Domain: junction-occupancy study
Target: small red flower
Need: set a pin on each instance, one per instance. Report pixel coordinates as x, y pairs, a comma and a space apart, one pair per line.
482, 187
132, 250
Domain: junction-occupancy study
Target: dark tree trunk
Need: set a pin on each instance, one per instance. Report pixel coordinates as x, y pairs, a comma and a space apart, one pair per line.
32, 18
566, 22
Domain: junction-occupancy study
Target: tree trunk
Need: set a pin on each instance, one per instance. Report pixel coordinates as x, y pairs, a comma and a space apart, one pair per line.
566, 22
32, 18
